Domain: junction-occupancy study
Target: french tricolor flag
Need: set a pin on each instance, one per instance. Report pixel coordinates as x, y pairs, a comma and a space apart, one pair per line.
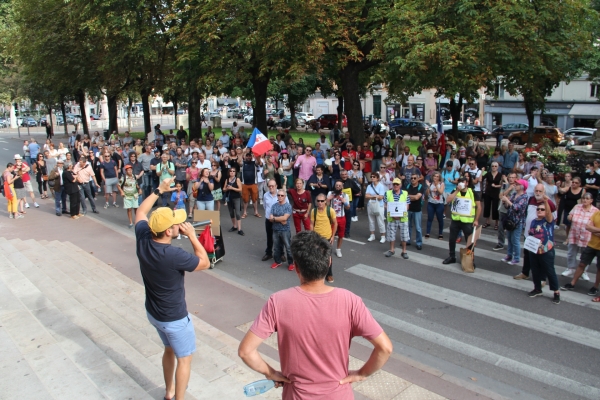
259, 143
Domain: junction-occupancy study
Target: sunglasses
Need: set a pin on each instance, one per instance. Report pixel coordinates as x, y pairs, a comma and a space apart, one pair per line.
320, 201
413, 179
396, 184
356, 165
541, 209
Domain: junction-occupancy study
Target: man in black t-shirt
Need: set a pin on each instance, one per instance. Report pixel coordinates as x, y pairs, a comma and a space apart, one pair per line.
591, 181
163, 270
181, 135
416, 191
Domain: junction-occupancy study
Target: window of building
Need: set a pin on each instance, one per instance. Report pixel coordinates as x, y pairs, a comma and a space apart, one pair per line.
497, 118
498, 91
377, 106
594, 90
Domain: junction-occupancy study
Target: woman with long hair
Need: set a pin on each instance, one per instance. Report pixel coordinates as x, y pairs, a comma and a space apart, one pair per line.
204, 188
217, 192
287, 169
10, 176
233, 190
491, 197
435, 204
562, 187
579, 237
41, 175
572, 197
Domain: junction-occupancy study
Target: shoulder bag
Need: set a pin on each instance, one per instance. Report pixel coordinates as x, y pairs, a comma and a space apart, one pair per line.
373, 206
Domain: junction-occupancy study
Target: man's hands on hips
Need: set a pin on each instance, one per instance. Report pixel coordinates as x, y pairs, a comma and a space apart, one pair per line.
353, 376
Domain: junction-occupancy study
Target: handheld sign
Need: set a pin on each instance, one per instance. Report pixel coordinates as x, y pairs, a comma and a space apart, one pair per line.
397, 209
532, 244
461, 206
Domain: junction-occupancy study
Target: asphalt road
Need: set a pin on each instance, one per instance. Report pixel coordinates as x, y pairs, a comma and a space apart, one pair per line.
479, 328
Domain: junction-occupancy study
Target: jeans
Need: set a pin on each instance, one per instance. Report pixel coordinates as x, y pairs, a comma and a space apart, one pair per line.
438, 211
542, 266
501, 217
514, 243
375, 164
60, 196
415, 218
165, 197
455, 228
572, 252
269, 229
348, 222
146, 184
83, 192
353, 205
281, 242
206, 205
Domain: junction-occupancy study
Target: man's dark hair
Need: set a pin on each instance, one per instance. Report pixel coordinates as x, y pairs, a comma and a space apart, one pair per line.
311, 253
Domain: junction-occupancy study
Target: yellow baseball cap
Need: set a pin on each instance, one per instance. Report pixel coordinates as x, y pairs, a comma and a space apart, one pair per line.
397, 181
163, 218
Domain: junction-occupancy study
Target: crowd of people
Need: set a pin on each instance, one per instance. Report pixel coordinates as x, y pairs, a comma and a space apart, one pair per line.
323, 186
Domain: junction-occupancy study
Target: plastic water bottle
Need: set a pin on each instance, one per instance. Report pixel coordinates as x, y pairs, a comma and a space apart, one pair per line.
258, 387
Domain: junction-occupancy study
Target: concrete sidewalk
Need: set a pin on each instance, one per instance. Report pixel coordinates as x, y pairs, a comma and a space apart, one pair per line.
73, 322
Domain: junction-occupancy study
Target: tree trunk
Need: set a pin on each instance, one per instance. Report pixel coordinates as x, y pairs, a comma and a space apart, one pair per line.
145, 93
64, 115
352, 104
260, 97
455, 108
50, 121
113, 125
174, 101
292, 107
340, 112
195, 121
83, 111
130, 104
529, 110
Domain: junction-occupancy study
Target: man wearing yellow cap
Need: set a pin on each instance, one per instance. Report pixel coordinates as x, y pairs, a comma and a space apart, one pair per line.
163, 269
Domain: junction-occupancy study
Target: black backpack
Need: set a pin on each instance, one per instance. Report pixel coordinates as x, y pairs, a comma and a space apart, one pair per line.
2, 185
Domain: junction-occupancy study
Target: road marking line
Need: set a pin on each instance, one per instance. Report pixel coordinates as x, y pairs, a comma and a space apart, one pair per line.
489, 357
498, 279
512, 315
353, 241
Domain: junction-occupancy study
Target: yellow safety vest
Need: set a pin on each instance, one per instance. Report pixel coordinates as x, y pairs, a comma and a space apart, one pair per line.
467, 217
390, 198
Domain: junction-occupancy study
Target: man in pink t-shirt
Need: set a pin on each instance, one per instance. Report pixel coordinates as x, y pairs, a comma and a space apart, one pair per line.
306, 162
315, 324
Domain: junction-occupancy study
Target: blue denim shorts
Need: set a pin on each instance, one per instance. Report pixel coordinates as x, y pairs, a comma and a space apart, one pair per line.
179, 335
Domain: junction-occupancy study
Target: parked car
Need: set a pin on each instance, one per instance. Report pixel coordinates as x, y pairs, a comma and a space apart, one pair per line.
414, 128
510, 128
60, 120
539, 132
94, 117
447, 124
397, 122
248, 118
475, 130
581, 136
329, 121
305, 116
286, 122
237, 115
29, 121
4, 123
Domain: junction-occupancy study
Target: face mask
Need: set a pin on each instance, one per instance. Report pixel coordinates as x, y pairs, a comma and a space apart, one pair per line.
588, 171
461, 186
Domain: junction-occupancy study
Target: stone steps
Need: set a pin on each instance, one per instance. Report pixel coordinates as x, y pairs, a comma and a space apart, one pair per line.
92, 318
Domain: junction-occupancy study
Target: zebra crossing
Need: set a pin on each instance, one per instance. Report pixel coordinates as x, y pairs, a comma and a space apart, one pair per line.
554, 377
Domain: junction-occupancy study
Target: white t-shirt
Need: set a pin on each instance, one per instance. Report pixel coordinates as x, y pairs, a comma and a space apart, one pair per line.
205, 164
531, 181
475, 173
324, 146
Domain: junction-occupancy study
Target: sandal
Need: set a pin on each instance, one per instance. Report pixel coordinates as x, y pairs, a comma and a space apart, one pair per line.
596, 299
485, 226
244, 216
257, 215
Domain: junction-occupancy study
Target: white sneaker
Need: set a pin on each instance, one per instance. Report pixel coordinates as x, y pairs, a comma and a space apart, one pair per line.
179, 237
568, 272
382, 240
354, 219
585, 276
36, 205
26, 205
338, 252
371, 238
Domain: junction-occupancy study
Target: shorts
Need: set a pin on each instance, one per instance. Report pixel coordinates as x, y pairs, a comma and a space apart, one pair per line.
477, 195
395, 225
587, 256
250, 191
179, 335
341, 226
111, 185
27, 186
130, 202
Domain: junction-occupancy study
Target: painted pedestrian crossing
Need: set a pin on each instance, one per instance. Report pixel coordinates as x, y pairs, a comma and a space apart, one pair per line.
512, 315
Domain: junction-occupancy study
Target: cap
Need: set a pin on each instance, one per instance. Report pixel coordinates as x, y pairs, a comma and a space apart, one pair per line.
534, 154
397, 181
284, 152
156, 150
59, 161
523, 183
18, 157
165, 147
128, 166
163, 218
429, 151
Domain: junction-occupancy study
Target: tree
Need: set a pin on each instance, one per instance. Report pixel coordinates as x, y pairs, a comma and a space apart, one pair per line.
252, 41
543, 43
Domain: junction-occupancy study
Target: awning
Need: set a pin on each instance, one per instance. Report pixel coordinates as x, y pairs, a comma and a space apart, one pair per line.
585, 110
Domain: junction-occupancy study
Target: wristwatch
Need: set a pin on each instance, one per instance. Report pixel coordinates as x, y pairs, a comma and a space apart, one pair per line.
156, 192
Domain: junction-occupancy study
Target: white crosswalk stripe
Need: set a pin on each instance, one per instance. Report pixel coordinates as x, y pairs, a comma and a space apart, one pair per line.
497, 278
526, 319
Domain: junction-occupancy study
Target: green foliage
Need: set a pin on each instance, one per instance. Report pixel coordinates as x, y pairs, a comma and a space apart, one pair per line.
553, 157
